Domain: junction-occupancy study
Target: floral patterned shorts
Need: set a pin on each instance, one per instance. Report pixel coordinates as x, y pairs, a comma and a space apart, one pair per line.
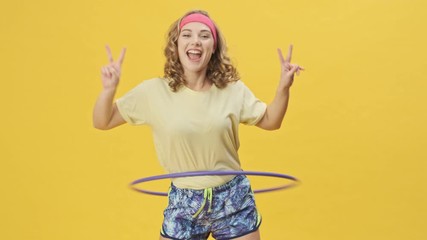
227, 211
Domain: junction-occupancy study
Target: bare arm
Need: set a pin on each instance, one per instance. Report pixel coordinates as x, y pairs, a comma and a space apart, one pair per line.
276, 110
105, 112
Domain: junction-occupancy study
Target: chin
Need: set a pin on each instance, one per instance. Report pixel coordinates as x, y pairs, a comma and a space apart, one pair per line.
195, 69
192, 67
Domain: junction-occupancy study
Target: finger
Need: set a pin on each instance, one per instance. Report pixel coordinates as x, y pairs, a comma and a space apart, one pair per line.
110, 55
122, 56
294, 68
300, 68
282, 60
106, 72
113, 71
115, 66
289, 56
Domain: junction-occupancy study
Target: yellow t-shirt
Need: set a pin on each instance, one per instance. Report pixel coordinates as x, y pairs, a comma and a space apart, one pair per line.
193, 131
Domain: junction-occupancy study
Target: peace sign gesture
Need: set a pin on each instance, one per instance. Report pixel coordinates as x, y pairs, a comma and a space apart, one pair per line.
110, 74
288, 69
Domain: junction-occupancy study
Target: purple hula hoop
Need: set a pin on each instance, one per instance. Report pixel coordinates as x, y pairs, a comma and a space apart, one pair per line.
216, 173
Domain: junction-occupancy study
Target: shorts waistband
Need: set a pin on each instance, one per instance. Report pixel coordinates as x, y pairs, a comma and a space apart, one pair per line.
220, 188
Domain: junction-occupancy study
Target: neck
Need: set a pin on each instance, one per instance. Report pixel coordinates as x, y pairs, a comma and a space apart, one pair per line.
197, 81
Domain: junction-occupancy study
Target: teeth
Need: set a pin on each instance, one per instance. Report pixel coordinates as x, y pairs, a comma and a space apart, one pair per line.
194, 52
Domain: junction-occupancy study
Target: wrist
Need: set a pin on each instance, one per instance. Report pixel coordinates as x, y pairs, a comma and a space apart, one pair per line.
109, 90
283, 89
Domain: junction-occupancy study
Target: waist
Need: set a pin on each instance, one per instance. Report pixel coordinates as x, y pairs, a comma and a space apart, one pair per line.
233, 180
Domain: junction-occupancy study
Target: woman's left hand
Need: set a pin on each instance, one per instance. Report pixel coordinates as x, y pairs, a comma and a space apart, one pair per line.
288, 69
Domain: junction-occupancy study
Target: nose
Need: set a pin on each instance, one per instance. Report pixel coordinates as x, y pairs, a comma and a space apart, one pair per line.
196, 41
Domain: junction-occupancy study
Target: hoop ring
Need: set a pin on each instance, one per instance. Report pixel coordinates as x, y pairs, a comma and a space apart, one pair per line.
295, 181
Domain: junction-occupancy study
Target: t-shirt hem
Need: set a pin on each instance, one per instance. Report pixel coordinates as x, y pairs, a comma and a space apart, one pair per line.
122, 112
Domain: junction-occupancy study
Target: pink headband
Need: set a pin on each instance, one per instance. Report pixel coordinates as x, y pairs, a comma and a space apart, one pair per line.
198, 17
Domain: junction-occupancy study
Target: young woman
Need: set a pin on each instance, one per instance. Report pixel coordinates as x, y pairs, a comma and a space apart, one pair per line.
195, 111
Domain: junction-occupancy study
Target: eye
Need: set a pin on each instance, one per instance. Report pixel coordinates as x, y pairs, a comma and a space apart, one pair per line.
205, 36
186, 35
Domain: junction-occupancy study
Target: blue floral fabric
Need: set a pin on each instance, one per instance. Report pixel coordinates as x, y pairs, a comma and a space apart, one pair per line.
226, 212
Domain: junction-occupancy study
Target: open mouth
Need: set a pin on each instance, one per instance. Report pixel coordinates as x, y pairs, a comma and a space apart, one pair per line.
194, 54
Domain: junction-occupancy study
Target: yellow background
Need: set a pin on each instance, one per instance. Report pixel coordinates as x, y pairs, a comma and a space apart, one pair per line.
354, 134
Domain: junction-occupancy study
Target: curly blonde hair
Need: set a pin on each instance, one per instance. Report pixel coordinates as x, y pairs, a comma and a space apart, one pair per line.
220, 70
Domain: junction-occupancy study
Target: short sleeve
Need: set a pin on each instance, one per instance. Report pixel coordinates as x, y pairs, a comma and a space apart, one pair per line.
134, 106
252, 108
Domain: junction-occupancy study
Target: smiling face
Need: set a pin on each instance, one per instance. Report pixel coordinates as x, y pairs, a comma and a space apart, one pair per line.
195, 47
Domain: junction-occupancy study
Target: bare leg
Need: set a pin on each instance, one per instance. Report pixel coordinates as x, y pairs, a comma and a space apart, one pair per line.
252, 236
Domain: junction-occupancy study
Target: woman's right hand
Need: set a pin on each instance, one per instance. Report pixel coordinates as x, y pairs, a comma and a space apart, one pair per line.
110, 74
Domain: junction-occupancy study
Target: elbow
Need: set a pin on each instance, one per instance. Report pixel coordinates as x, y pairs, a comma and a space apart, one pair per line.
101, 126
268, 124
270, 127
274, 127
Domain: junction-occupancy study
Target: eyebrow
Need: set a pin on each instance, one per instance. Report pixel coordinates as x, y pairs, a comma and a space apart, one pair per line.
204, 30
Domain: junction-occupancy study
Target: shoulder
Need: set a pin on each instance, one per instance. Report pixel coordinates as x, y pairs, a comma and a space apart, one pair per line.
237, 86
152, 84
